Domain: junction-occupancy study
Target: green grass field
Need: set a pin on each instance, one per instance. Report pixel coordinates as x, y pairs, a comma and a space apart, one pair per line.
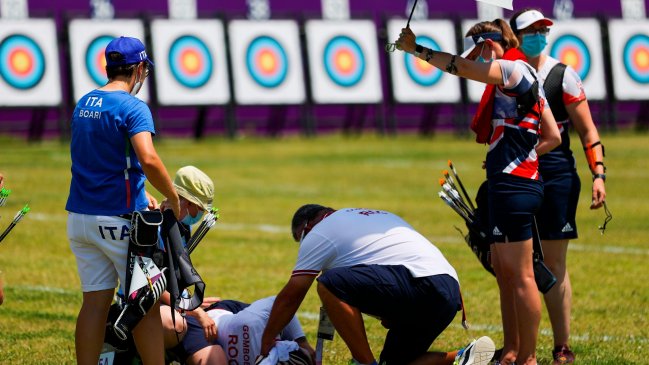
249, 254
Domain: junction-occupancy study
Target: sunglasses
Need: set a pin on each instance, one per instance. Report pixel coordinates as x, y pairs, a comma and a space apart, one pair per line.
147, 69
541, 31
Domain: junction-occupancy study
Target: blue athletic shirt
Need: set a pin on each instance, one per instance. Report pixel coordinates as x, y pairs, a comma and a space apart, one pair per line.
107, 178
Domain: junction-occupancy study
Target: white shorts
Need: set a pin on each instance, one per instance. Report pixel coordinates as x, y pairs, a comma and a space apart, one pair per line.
100, 245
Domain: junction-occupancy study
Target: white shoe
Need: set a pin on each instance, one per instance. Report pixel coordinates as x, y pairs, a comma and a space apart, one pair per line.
478, 352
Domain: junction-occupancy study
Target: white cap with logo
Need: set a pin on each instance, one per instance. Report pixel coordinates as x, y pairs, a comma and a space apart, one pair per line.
530, 17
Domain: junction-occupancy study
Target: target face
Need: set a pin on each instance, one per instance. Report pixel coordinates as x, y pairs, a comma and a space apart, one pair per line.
190, 61
266, 56
416, 81
344, 61
578, 44
266, 61
419, 70
572, 51
96, 59
22, 64
636, 58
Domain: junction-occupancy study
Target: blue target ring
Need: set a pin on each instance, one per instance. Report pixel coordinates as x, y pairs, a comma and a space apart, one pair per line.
572, 51
419, 70
190, 61
344, 61
636, 58
267, 61
96, 59
22, 63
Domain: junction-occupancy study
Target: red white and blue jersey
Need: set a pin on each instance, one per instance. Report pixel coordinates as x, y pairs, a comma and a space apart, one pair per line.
561, 158
354, 236
514, 138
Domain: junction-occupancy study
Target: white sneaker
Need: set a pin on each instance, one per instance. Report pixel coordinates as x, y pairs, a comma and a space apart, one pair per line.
478, 352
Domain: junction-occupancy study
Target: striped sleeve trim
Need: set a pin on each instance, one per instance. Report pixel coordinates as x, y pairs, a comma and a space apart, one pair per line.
305, 272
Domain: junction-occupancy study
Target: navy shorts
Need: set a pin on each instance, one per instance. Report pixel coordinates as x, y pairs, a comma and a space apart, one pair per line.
513, 202
194, 339
556, 218
414, 310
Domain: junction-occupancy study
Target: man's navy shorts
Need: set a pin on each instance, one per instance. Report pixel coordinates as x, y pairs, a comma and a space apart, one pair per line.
513, 202
556, 218
414, 310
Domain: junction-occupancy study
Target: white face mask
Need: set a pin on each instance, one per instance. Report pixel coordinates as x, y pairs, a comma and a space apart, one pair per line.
137, 86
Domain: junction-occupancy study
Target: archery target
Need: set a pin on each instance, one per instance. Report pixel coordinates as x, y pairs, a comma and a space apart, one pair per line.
578, 44
266, 62
29, 68
629, 41
23, 63
415, 80
343, 64
421, 71
571, 50
636, 58
191, 66
344, 61
88, 41
190, 60
96, 60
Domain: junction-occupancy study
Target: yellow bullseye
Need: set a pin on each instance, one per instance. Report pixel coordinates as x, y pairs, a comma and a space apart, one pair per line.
642, 59
571, 58
267, 62
191, 62
20, 62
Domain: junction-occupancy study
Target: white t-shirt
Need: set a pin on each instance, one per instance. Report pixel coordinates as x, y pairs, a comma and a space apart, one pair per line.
240, 334
353, 236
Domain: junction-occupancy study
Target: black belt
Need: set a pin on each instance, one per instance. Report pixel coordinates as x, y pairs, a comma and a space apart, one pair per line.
126, 216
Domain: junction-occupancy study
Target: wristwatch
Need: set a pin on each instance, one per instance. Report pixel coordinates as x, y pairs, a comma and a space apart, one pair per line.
599, 176
418, 50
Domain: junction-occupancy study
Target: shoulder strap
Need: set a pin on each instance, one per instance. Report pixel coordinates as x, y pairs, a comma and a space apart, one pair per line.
181, 270
553, 87
536, 241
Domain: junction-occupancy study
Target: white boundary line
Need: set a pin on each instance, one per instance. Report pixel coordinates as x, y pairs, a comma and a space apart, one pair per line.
312, 316
277, 229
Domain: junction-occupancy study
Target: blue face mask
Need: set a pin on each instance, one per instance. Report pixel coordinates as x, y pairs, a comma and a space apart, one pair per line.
482, 59
189, 220
533, 44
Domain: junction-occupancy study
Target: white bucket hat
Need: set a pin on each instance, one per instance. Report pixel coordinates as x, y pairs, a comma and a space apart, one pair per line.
195, 186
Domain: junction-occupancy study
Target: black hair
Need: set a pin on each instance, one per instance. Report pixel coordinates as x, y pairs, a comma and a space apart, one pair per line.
121, 70
304, 214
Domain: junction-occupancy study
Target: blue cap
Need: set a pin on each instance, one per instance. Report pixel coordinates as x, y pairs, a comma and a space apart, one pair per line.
130, 50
